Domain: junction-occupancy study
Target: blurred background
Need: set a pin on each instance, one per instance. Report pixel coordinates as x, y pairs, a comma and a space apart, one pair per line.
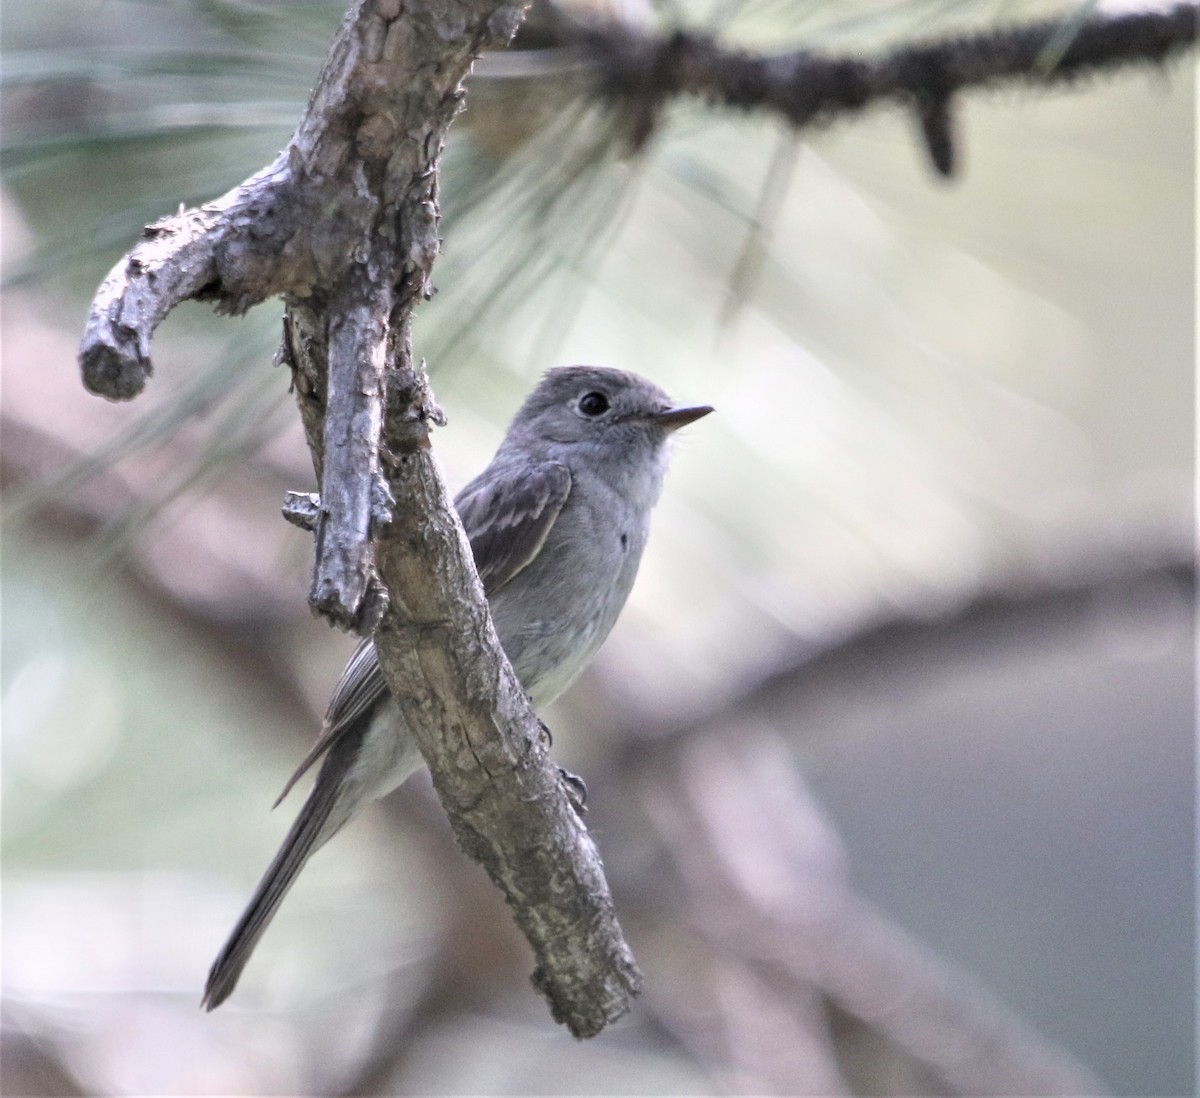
891, 756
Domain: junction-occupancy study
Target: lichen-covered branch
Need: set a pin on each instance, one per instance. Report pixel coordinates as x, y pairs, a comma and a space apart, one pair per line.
343, 227
350, 486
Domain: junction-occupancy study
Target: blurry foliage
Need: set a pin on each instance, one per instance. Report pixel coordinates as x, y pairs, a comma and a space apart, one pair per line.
926, 392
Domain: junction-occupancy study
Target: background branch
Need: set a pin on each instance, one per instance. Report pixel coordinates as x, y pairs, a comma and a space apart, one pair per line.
644, 71
756, 851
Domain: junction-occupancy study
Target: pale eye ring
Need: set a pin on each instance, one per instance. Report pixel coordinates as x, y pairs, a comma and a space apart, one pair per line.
593, 404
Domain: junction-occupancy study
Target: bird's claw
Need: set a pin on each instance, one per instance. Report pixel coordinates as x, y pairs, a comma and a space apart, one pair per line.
576, 790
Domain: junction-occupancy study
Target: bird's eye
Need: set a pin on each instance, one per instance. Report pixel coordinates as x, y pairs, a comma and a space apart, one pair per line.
593, 404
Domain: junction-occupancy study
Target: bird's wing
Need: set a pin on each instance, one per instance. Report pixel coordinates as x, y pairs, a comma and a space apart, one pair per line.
360, 687
507, 520
508, 516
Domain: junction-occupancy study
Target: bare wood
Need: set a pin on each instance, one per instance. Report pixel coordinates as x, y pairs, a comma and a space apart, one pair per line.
343, 226
178, 258
350, 483
486, 747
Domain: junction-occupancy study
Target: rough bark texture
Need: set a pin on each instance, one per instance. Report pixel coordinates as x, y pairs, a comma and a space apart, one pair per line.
486, 752
179, 257
343, 226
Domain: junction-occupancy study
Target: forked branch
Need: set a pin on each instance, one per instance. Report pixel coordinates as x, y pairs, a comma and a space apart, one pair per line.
343, 227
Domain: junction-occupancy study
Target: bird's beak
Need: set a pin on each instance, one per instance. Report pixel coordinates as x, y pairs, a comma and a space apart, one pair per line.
674, 418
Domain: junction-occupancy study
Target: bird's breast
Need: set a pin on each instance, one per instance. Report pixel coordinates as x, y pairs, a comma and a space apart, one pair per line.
556, 613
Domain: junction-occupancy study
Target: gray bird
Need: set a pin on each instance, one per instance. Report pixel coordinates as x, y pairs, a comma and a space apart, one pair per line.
557, 523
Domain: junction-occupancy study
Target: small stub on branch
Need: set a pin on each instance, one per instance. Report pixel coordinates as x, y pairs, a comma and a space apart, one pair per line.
937, 130
301, 509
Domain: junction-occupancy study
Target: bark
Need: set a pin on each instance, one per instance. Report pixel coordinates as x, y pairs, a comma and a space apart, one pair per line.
343, 226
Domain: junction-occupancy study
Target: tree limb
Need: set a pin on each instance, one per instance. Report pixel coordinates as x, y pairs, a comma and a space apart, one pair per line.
485, 749
643, 71
755, 851
343, 226
179, 257
808, 88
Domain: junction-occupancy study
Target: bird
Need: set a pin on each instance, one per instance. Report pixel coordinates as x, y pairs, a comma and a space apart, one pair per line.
557, 523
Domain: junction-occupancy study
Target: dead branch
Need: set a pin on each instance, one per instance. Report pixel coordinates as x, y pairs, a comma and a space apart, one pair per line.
471, 718
343, 226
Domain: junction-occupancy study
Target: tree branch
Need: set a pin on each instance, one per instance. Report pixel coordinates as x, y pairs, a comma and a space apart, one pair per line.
486, 750
351, 491
755, 851
188, 255
343, 226
807, 89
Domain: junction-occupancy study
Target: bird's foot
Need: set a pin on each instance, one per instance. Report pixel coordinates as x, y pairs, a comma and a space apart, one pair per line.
576, 790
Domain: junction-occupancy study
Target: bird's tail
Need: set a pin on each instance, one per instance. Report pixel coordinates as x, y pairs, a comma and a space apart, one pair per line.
324, 812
